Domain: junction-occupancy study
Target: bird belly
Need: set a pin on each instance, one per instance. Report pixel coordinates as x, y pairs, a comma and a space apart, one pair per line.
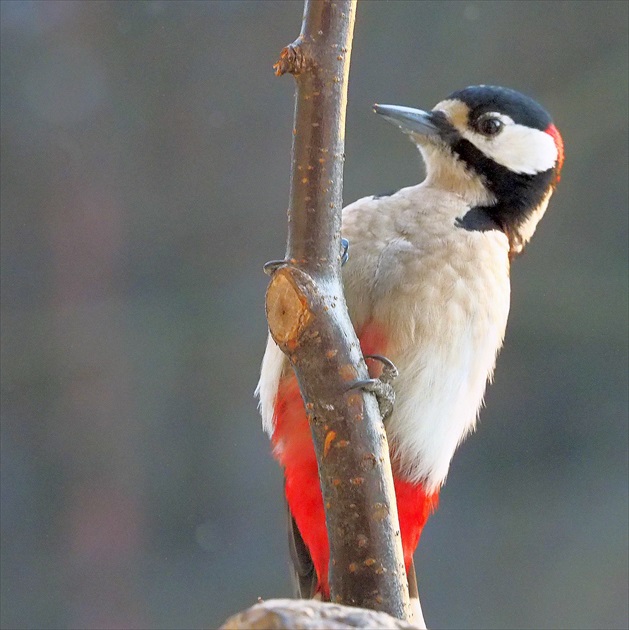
445, 312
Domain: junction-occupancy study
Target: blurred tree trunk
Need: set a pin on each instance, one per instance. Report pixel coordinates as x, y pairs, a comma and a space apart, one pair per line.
309, 321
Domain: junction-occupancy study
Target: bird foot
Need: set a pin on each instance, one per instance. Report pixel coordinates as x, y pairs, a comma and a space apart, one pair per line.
382, 387
344, 251
273, 265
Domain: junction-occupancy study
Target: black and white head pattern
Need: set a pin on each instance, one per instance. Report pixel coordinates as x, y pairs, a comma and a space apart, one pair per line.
510, 141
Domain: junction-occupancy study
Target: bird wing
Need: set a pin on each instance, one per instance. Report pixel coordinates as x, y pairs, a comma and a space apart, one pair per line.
304, 573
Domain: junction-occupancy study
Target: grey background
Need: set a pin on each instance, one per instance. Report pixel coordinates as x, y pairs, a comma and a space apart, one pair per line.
145, 165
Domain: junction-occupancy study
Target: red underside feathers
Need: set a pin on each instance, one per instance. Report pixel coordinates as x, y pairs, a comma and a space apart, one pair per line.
294, 450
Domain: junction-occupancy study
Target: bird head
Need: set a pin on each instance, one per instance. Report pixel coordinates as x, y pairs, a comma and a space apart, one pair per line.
496, 147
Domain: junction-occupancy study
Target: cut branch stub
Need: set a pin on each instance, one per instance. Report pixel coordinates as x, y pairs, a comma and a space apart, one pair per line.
287, 306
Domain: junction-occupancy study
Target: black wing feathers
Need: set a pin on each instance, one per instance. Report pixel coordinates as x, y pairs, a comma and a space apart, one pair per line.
304, 571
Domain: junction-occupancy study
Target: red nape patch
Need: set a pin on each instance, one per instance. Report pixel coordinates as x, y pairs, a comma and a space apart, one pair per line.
552, 131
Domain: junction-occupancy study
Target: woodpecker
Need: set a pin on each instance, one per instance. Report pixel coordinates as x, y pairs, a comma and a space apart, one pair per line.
427, 286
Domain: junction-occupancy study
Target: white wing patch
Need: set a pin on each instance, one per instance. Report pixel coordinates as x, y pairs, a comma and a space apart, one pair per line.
266, 391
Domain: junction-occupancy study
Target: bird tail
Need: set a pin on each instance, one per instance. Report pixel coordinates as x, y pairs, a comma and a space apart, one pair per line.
305, 576
417, 616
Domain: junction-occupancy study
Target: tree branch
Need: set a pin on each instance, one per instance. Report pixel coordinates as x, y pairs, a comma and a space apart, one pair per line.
291, 614
309, 321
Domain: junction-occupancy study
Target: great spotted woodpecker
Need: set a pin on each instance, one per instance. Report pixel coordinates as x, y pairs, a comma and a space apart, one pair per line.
427, 285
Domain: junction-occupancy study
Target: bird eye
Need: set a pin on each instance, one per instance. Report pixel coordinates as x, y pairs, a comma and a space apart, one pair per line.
489, 126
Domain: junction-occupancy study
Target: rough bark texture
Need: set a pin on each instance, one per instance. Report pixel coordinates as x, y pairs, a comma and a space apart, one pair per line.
308, 319
294, 614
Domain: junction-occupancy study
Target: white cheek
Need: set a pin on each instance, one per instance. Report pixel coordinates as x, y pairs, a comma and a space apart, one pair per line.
518, 148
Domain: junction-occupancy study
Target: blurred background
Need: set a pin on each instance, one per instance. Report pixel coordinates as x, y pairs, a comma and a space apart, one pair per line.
145, 169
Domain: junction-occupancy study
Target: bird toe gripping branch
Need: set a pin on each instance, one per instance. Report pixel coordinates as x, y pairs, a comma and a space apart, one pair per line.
273, 265
382, 387
344, 251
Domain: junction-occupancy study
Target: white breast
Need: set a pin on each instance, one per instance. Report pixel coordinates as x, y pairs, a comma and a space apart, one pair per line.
442, 294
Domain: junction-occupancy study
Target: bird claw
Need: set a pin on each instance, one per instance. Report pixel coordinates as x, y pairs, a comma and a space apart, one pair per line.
344, 251
273, 265
389, 371
384, 393
380, 387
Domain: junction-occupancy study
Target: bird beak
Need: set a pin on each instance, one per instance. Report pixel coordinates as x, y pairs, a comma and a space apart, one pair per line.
409, 120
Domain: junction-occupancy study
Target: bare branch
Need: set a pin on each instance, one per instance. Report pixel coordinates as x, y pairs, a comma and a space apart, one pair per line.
291, 614
308, 319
